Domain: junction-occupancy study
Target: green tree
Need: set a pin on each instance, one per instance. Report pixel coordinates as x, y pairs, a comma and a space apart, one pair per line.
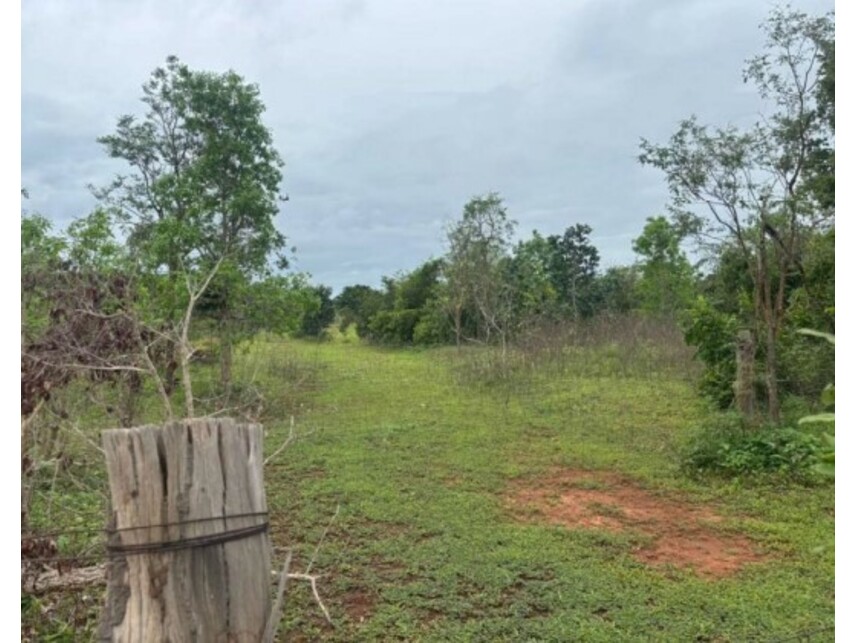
202, 193
573, 269
477, 289
666, 284
316, 320
753, 183
617, 289
41, 258
530, 274
409, 313
357, 305
86, 315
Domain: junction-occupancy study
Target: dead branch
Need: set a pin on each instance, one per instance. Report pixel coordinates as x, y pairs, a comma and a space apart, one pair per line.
321, 540
79, 577
279, 604
289, 439
312, 581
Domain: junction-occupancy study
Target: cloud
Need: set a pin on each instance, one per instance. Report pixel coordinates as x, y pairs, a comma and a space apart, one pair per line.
391, 115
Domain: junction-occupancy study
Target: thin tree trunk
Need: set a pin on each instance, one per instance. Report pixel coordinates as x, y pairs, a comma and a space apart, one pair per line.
187, 384
769, 315
184, 362
226, 366
745, 390
771, 375
458, 326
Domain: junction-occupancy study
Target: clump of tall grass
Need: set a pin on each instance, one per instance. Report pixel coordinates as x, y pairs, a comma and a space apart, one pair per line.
627, 345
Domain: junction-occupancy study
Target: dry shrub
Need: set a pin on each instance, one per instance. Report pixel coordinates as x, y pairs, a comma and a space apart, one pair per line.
629, 345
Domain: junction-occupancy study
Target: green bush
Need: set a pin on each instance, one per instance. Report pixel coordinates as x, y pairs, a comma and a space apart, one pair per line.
394, 326
713, 334
433, 328
728, 448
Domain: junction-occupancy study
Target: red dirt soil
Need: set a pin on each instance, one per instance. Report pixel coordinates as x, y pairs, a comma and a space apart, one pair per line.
681, 534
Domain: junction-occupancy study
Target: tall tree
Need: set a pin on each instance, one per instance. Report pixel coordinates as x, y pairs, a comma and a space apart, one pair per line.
409, 310
357, 305
478, 244
574, 267
202, 193
530, 273
316, 320
752, 182
666, 284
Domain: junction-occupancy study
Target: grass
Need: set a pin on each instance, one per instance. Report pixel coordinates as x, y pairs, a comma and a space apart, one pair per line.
418, 453
418, 458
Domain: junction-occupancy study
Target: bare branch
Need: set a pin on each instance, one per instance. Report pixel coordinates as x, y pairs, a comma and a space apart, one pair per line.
321, 540
289, 439
312, 581
279, 603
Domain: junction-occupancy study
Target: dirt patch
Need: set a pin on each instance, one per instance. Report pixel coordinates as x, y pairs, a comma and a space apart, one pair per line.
678, 533
358, 604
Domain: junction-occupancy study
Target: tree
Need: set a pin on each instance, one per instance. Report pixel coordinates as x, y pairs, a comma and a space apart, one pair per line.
575, 263
754, 183
82, 315
202, 192
316, 320
666, 284
618, 289
476, 289
41, 257
239, 308
530, 274
408, 312
357, 305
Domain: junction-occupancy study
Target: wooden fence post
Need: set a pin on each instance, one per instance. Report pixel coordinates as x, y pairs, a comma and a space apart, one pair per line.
190, 553
745, 376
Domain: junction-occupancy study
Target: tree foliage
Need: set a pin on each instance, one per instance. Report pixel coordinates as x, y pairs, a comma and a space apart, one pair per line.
666, 285
201, 195
478, 245
756, 185
574, 264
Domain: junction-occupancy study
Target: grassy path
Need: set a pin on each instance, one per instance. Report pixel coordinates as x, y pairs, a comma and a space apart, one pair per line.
426, 547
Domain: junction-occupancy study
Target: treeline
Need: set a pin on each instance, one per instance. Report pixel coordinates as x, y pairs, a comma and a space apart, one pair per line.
758, 205
183, 253
487, 288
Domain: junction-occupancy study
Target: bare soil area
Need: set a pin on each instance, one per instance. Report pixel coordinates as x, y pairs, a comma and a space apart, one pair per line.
677, 533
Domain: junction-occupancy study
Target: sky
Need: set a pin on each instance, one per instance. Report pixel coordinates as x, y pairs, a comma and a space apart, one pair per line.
391, 115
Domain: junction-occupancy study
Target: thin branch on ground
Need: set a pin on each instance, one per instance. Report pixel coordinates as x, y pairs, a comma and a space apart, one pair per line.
321, 540
279, 604
312, 582
311, 578
289, 439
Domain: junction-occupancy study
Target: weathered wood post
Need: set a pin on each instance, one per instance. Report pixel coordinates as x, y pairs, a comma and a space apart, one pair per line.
190, 553
745, 373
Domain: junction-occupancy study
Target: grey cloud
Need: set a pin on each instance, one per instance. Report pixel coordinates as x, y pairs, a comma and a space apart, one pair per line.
391, 115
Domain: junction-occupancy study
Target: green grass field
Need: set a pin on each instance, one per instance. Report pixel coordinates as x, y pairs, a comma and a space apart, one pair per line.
420, 459
408, 463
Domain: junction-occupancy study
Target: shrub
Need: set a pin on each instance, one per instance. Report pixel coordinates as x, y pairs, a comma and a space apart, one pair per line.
713, 334
728, 448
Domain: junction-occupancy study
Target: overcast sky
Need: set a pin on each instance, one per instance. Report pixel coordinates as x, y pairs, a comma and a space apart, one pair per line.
390, 115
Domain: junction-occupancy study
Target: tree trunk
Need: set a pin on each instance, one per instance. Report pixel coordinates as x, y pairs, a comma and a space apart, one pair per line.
771, 374
745, 375
187, 383
457, 315
770, 317
226, 366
